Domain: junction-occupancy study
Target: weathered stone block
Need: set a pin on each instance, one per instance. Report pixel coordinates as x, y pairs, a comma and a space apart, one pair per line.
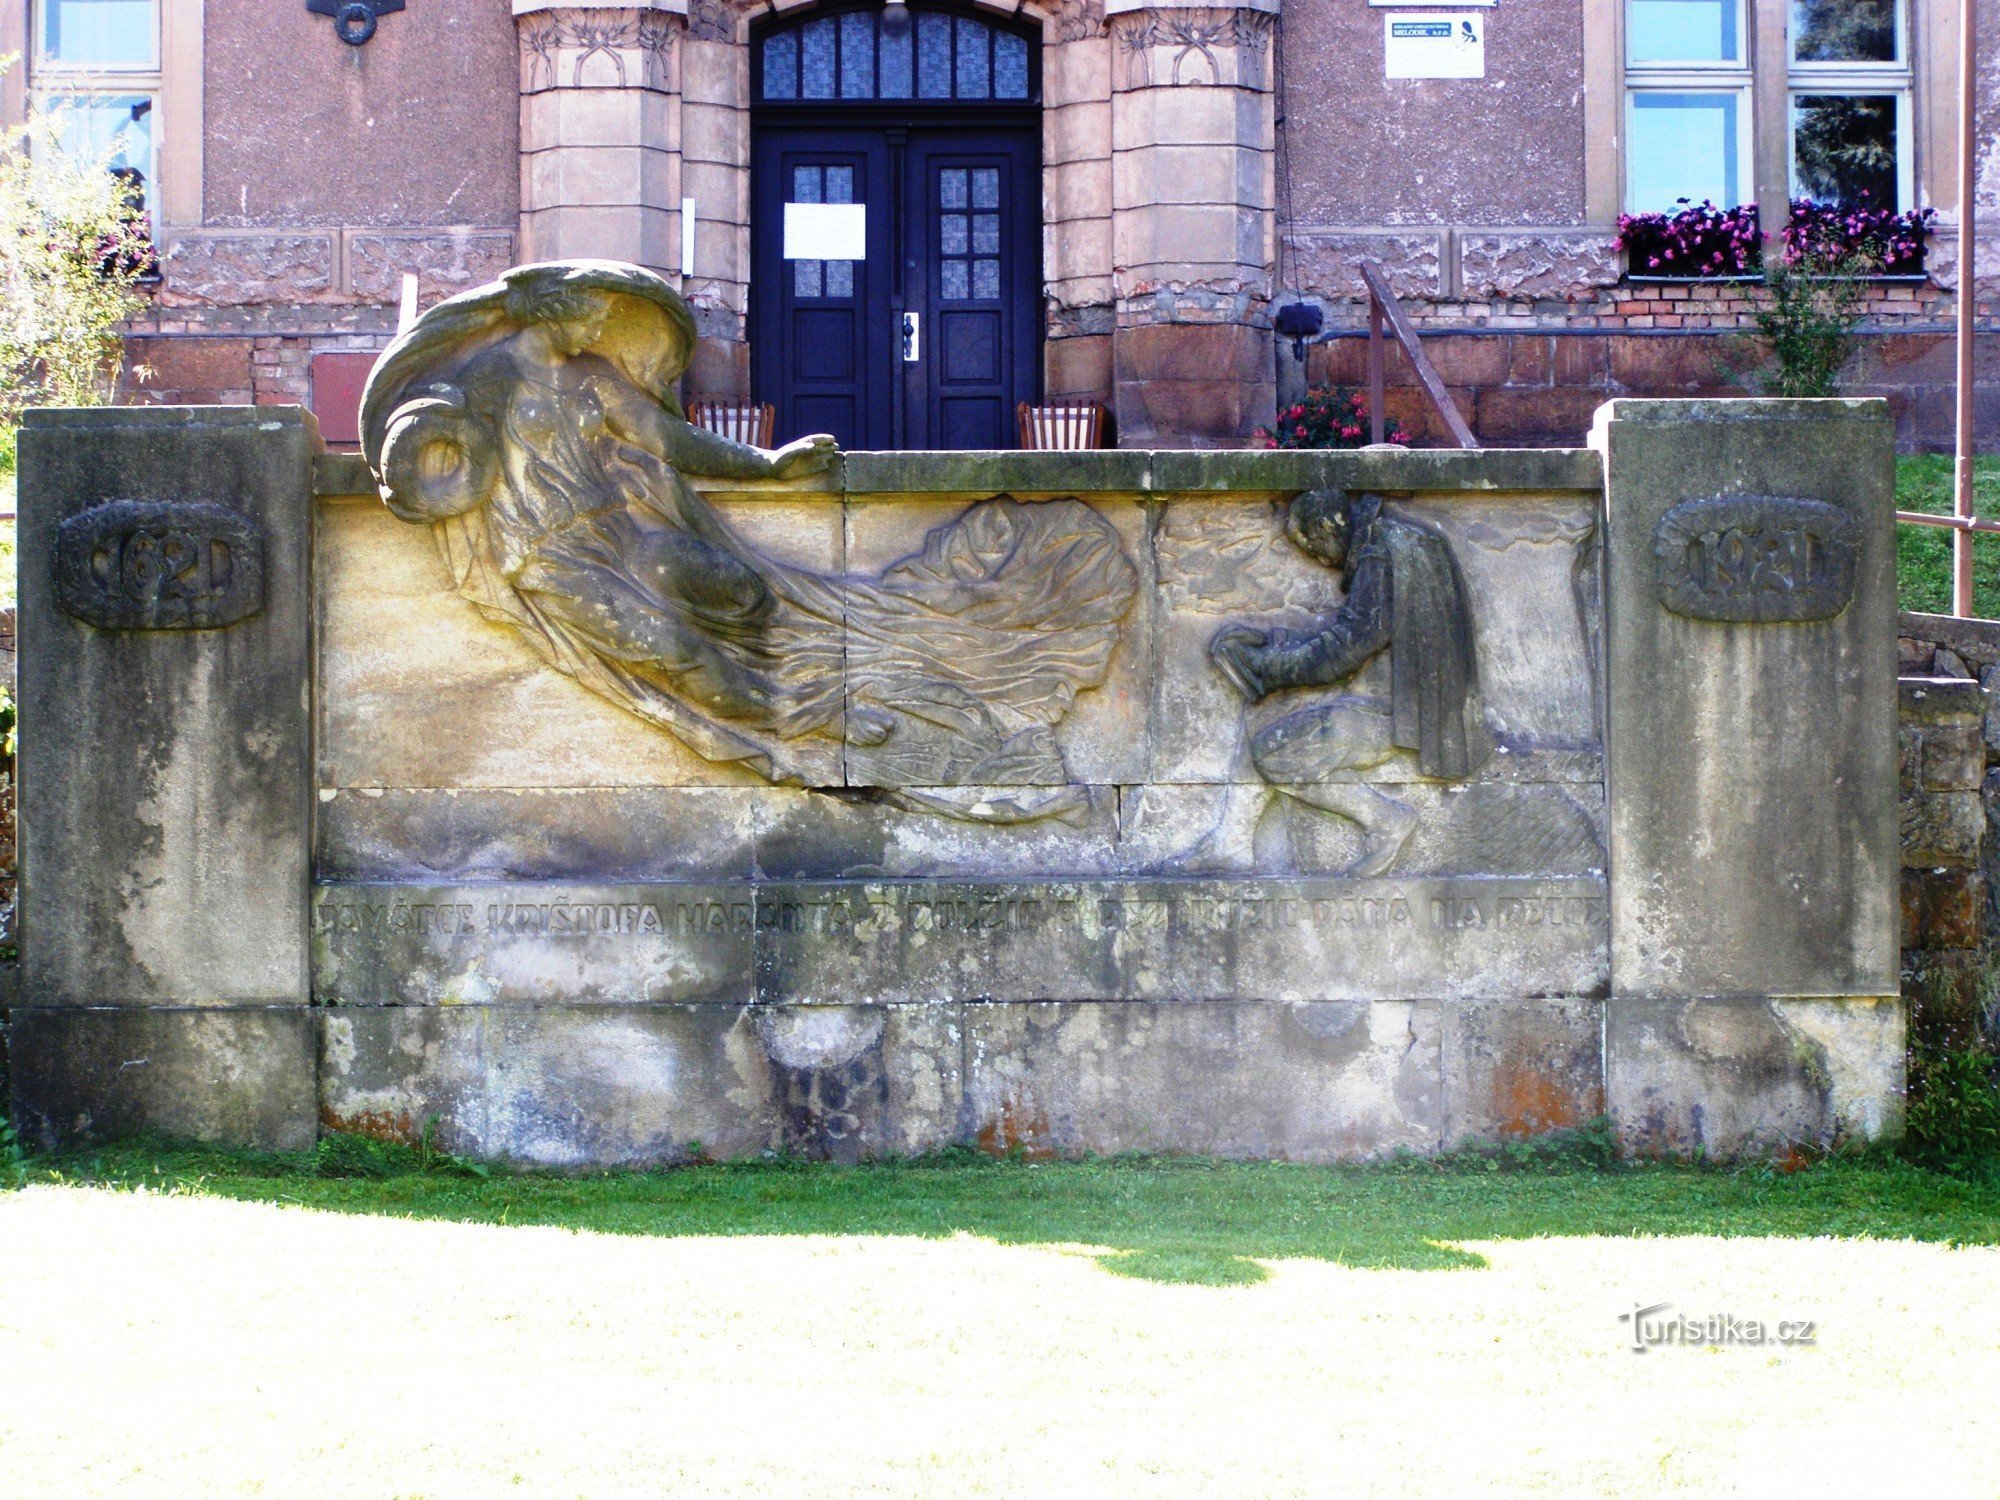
567, 1086
444, 262
234, 270
1300, 1082
1941, 828
166, 792
1735, 867
240, 1076
1521, 1067
1539, 264
1943, 908
1727, 1078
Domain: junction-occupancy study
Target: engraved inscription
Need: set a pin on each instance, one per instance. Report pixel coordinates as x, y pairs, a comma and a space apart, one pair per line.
159, 565
1755, 559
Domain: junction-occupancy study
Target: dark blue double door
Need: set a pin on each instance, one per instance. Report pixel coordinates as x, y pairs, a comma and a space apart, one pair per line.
932, 336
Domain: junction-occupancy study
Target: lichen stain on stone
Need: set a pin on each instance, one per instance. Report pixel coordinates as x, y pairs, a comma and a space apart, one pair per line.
392, 1127
1019, 1128
1529, 1101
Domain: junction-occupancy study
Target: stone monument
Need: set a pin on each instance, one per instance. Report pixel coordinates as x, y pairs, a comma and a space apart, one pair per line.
636, 792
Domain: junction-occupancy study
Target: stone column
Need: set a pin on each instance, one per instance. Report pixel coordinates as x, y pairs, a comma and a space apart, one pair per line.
1193, 140
166, 797
600, 131
1751, 772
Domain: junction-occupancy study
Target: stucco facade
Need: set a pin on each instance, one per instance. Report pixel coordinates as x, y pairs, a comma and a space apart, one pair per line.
1200, 165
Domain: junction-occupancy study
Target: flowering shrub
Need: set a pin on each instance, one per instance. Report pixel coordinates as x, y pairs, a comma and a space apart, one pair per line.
1327, 418
1697, 240
1892, 244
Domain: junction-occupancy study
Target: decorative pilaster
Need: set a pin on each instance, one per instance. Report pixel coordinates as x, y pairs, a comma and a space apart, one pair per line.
600, 131
1193, 188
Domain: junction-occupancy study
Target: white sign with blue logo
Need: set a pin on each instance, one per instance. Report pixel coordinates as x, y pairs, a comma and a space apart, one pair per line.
1439, 45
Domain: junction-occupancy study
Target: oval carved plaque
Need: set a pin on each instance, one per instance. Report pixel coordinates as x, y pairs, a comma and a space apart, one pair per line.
1755, 559
159, 565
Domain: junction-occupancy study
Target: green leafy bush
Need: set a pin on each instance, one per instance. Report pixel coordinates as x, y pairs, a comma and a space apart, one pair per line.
1810, 309
1953, 1119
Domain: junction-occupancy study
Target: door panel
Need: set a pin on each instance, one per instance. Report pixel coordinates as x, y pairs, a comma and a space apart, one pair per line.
816, 324
973, 231
959, 208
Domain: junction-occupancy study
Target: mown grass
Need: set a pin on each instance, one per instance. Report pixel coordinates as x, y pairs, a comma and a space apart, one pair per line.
1923, 553
1175, 1220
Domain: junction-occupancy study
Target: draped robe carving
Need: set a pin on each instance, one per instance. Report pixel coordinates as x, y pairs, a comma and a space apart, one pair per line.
533, 425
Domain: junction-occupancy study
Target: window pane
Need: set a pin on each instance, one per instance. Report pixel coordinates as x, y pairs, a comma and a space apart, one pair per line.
957, 284
805, 184
781, 66
857, 56
985, 187
840, 184
816, 62
986, 234
952, 238
1010, 66
986, 279
1681, 146
1844, 149
119, 126
951, 187
974, 78
1844, 30
840, 278
1658, 31
100, 33
934, 56
805, 277
897, 58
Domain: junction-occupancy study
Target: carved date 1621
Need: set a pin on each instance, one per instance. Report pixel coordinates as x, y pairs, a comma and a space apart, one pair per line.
1755, 559
159, 565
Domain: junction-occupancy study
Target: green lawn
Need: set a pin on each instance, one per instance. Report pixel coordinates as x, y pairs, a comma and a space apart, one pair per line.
1923, 553
1202, 1222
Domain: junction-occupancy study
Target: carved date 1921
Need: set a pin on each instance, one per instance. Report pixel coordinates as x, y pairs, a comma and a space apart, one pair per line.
159, 565
1755, 559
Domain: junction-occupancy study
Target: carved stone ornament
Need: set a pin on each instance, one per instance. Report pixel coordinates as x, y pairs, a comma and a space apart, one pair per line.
159, 565
1404, 602
1755, 559
533, 425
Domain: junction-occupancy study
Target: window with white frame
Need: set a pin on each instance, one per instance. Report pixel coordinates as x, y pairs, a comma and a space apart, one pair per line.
1687, 104
97, 63
1849, 78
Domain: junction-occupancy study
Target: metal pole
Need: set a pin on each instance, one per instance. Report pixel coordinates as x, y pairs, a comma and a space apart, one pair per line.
1375, 415
1968, 258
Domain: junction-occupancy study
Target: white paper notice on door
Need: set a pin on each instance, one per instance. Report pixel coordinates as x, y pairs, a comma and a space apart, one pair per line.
826, 231
1438, 45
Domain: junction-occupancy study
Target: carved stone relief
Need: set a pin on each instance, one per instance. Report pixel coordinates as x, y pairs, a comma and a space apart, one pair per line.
1170, 48
558, 47
159, 565
532, 424
1754, 559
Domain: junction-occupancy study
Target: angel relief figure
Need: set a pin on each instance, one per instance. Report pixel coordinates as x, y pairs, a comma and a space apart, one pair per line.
533, 424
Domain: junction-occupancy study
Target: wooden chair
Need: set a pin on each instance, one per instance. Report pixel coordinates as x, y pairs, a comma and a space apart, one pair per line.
1062, 424
746, 421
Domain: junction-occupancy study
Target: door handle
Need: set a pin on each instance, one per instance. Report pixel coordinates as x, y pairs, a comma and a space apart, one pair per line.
911, 347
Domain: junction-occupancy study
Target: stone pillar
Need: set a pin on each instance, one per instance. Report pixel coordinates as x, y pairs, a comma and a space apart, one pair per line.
715, 172
1193, 139
1751, 772
600, 131
166, 792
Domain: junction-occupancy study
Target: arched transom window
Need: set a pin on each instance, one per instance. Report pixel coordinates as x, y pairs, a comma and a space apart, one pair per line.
933, 55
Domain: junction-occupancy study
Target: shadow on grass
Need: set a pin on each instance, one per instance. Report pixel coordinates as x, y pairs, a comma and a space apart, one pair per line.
1198, 1222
